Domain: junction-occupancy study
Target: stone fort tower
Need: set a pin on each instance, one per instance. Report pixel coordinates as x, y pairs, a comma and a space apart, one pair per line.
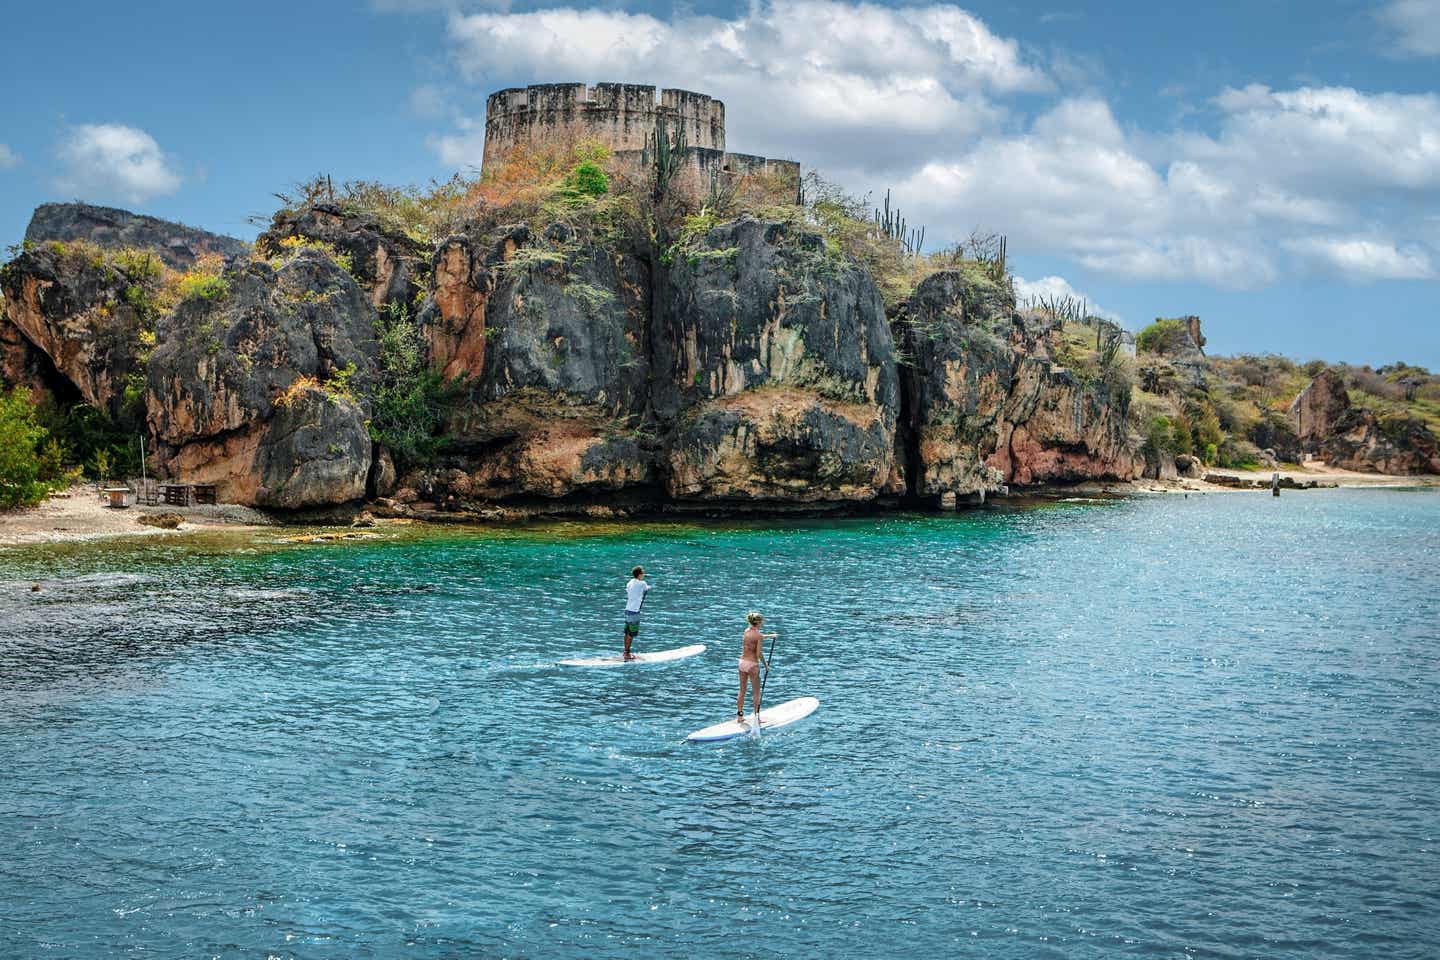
624, 116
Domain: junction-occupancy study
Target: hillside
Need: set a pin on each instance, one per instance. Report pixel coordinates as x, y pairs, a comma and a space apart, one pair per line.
563, 335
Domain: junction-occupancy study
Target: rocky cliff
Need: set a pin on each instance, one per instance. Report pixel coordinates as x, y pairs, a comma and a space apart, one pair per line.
261, 390
548, 336
987, 405
774, 371
177, 245
1352, 438
748, 365
69, 328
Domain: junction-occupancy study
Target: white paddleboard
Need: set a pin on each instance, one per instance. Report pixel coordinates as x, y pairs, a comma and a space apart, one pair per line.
771, 718
616, 660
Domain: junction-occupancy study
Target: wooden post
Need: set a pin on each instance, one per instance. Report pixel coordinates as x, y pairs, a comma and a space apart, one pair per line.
1275, 483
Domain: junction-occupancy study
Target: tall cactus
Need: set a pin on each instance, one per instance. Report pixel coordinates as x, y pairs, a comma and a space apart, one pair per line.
891, 225
666, 154
996, 265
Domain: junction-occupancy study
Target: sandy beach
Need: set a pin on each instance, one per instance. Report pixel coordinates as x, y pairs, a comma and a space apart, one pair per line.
1321, 473
1314, 472
78, 514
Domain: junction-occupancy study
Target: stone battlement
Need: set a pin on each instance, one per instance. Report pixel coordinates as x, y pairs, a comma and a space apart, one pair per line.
620, 115
623, 116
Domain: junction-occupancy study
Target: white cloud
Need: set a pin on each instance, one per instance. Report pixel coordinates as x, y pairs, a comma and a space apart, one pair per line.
1363, 259
464, 147
1415, 26
1053, 287
799, 77
1218, 208
1074, 184
429, 100
1323, 137
928, 100
110, 160
8, 158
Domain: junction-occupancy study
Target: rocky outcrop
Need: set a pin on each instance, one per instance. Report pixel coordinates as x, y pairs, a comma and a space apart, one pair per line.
774, 370
177, 245
452, 320
1191, 468
1397, 445
547, 335
1352, 438
986, 406
388, 264
257, 390
1318, 410
1064, 429
1275, 432
22, 363
746, 367
67, 315
1181, 345
1160, 465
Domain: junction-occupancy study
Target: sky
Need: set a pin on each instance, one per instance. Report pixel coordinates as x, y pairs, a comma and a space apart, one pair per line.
1271, 166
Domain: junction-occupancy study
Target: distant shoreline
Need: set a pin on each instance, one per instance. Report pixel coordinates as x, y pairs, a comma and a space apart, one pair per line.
78, 516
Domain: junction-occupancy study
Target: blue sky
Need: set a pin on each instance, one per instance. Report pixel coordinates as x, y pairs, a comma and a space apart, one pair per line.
1271, 166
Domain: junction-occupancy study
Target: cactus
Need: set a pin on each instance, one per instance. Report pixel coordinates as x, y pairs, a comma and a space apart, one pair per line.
891, 225
996, 265
666, 151
720, 198
1071, 309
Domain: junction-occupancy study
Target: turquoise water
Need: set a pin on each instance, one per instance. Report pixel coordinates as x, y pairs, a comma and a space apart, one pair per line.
1201, 727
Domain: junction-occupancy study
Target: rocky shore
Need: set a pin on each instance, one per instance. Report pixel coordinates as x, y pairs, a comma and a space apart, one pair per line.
565, 367
79, 515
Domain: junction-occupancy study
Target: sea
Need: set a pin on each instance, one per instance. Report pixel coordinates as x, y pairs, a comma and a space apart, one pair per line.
1200, 726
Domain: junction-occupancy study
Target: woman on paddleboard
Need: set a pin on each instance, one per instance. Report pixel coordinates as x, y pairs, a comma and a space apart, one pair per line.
751, 660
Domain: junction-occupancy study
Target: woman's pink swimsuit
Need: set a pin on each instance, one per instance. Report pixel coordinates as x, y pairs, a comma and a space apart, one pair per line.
748, 666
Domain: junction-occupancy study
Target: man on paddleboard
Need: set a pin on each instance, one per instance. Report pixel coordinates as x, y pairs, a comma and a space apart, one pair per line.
751, 660
635, 591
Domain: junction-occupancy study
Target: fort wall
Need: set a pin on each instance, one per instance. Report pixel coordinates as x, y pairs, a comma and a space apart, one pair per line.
620, 115
623, 116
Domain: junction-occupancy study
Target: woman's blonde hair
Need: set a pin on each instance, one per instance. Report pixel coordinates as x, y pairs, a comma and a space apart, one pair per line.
754, 617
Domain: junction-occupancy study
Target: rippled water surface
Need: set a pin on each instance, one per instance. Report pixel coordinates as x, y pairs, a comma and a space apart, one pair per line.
1201, 727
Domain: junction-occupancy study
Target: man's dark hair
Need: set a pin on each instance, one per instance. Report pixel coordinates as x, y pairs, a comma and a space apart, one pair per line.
638, 572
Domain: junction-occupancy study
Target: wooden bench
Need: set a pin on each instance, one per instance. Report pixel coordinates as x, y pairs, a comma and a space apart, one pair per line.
176, 494
146, 492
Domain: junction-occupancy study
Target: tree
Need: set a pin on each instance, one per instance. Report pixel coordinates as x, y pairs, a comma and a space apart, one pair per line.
20, 435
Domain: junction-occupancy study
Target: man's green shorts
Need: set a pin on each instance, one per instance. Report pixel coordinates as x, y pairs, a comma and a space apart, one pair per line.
632, 623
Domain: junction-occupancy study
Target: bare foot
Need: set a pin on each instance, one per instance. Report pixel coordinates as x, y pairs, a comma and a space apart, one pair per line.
629, 656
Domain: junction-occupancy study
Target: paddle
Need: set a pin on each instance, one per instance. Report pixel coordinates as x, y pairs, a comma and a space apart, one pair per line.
766, 677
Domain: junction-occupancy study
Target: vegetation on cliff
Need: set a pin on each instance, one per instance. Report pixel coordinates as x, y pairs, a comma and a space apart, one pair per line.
564, 326
20, 459
1236, 411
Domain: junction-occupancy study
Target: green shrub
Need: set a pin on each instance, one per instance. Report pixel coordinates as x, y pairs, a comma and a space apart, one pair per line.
1184, 434
100, 465
586, 179
20, 435
1160, 435
1207, 430
203, 286
1162, 336
410, 400
83, 431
